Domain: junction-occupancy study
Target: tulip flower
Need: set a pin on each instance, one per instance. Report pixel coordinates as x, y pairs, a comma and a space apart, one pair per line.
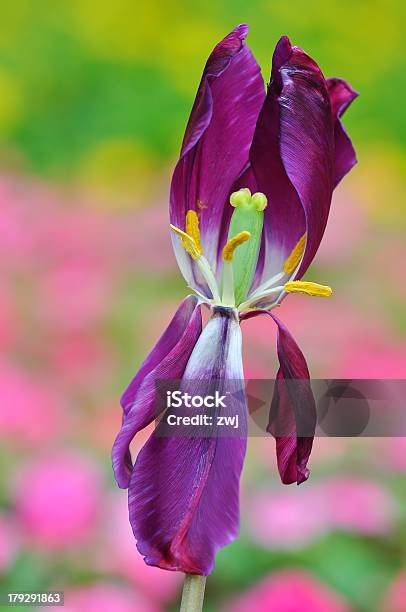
249, 203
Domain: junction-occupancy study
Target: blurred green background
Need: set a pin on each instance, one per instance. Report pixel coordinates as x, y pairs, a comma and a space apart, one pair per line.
94, 98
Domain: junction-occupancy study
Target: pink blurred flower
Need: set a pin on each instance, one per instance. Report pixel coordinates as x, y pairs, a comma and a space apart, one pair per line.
80, 359
287, 519
395, 598
328, 451
30, 413
77, 233
394, 276
366, 342
359, 505
290, 519
8, 322
124, 558
367, 349
75, 294
346, 218
16, 236
8, 543
39, 224
332, 351
288, 591
258, 349
58, 499
373, 358
106, 597
135, 235
392, 451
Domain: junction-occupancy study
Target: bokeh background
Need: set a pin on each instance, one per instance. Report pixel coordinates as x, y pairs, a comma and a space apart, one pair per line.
94, 97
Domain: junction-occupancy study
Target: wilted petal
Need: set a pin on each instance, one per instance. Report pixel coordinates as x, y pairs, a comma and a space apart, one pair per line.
293, 408
284, 220
167, 360
293, 156
184, 491
341, 95
216, 143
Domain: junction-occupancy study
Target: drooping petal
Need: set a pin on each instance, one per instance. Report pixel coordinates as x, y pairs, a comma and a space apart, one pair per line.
184, 491
216, 144
293, 412
341, 95
293, 406
293, 156
167, 360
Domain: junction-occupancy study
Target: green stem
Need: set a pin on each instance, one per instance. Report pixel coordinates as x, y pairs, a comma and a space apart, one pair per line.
193, 593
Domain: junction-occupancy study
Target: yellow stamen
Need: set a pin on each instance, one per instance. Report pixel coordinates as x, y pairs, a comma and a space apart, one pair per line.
188, 242
233, 243
308, 288
294, 258
192, 228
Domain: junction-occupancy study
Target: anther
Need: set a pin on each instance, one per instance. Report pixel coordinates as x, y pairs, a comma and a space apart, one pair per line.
192, 228
296, 255
188, 242
233, 243
308, 288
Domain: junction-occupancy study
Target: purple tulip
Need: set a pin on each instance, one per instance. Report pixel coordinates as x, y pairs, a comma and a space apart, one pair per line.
249, 203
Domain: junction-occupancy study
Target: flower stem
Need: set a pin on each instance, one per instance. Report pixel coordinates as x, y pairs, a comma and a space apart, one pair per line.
193, 593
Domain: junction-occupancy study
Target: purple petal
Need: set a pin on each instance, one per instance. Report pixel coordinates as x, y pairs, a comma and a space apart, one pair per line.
293, 452
167, 360
293, 407
284, 220
307, 143
184, 491
293, 156
341, 95
216, 143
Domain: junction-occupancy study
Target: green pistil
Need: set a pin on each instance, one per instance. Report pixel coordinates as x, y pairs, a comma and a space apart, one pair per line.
247, 216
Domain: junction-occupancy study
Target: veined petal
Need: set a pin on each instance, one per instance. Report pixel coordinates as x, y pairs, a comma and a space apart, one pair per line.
293, 156
293, 407
341, 95
290, 407
184, 491
284, 219
167, 360
216, 144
